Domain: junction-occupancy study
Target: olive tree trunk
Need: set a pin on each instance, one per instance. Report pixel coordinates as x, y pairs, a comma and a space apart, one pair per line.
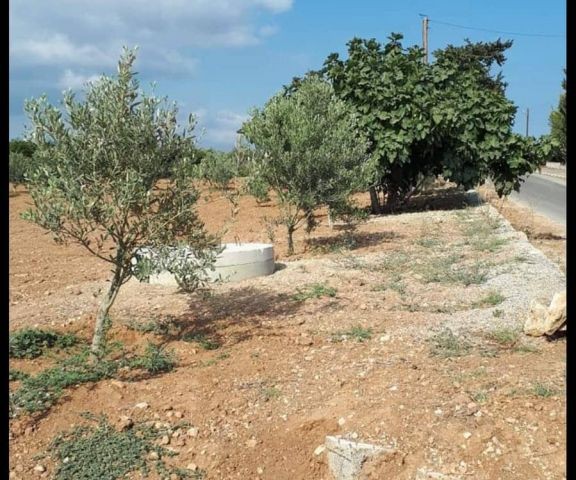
290, 230
101, 325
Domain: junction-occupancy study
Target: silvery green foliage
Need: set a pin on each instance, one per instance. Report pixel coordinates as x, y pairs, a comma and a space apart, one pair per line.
101, 181
308, 149
190, 269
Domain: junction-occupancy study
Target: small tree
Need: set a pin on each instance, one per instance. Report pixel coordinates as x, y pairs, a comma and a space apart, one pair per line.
308, 150
99, 184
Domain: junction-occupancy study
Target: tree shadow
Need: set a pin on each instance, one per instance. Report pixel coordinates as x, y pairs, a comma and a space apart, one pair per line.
240, 311
451, 198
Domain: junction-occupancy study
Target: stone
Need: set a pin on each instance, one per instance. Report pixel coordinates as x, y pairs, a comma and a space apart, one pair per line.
319, 450
259, 470
251, 443
153, 456
345, 457
178, 414
141, 405
556, 314
466, 435
165, 440
546, 321
40, 468
192, 466
192, 432
125, 422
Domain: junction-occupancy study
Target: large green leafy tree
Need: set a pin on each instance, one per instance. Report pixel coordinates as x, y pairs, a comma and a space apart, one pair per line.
309, 150
102, 160
450, 117
557, 123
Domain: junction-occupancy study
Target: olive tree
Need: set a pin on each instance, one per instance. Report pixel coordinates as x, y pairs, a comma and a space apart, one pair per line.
309, 150
100, 184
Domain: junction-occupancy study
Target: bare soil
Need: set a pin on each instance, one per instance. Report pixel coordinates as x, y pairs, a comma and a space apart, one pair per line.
289, 372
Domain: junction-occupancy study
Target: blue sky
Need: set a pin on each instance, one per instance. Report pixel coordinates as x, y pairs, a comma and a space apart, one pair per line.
219, 58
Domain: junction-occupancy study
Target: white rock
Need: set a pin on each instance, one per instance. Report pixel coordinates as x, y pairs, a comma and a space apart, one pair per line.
319, 450
466, 435
141, 405
345, 458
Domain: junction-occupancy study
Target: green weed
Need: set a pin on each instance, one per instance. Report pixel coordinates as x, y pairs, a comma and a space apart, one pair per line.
314, 290
102, 452
543, 390
202, 340
491, 299
357, 333
31, 342
446, 344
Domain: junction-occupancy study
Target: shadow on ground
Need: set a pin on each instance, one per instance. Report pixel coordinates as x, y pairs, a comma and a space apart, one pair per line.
240, 312
451, 198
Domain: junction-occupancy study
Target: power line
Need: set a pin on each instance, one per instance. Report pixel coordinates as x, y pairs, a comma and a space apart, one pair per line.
498, 31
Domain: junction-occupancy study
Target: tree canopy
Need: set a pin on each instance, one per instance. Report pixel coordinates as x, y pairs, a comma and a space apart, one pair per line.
450, 117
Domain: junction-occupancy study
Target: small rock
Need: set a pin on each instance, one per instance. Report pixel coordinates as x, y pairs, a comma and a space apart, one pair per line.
319, 450
153, 456
178, 414
40, 468
251, 443
192, 432
546, 321
125, 422
341, 421
385, 338
466, 435
192, 466
141, 405
438, 412
259, 470
165, 440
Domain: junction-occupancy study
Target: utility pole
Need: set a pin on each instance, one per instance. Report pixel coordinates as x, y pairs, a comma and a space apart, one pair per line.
527, 120
425, 37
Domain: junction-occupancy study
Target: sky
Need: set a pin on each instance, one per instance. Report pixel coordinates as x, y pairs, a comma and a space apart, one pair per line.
219, 58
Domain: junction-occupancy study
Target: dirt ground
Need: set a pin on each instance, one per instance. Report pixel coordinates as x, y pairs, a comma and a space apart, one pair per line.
290, 372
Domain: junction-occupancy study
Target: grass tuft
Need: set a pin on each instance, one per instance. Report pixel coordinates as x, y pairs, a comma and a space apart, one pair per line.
446, 344
314, 290
358, 333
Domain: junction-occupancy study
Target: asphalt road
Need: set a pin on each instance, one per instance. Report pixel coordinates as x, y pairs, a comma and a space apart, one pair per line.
546, 195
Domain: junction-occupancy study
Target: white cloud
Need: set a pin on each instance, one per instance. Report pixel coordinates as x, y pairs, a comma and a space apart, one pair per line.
220, 129
73, 33
74, 80
57, 49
